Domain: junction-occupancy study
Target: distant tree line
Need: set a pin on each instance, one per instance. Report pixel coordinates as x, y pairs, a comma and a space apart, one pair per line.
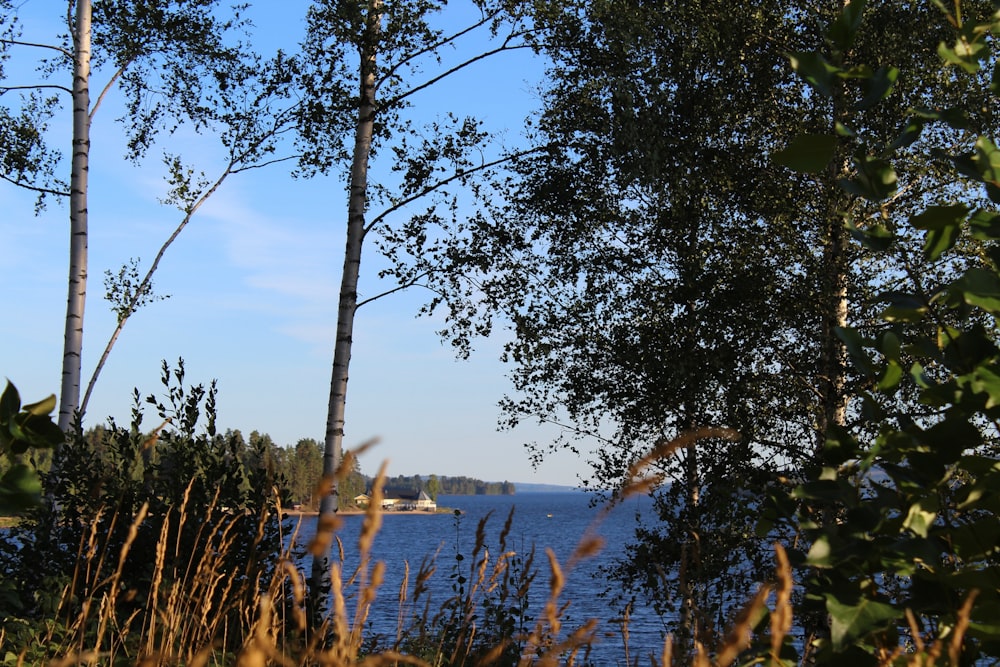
296, 470
450, 486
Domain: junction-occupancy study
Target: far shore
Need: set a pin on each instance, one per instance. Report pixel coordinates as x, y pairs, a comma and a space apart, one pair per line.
358, 510
11, 521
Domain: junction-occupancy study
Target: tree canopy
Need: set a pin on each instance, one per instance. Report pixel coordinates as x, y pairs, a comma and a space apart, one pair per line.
663, 269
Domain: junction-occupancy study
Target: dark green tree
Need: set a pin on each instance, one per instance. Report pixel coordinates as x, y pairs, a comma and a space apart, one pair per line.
899, 524
663, 271
303, 469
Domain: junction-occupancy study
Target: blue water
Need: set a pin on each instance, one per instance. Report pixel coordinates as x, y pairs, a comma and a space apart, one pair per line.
543, 520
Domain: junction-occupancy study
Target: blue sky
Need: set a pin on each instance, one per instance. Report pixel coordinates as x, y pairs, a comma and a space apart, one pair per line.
253, 289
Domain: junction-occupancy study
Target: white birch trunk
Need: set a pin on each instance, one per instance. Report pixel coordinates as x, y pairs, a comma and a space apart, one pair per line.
358, 193
835, 268
69, 397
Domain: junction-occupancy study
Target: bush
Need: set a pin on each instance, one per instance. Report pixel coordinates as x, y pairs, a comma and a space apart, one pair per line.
134, 519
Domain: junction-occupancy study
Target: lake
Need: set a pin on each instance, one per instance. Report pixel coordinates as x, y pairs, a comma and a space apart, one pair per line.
555, 520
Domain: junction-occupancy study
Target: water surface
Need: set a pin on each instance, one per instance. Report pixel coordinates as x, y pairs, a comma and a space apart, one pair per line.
544, 520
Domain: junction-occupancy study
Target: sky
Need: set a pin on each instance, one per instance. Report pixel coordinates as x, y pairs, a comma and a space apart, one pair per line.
252, 285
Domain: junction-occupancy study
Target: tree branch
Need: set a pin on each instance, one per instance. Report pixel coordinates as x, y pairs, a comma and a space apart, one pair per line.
440, 184
260, 165
143, 286
427, 84
399, 288
34, 188
432, 48
107, 88
57, 49
6, 89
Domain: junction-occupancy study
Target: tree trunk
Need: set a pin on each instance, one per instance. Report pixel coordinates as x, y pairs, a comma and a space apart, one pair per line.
833, 288
833, 354
689, 575
333, 449
69, 397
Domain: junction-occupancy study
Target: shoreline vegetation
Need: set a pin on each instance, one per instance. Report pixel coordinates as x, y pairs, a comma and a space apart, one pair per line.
184, 622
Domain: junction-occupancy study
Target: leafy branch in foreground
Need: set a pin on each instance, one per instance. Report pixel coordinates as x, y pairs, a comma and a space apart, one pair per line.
21, 428
902, 518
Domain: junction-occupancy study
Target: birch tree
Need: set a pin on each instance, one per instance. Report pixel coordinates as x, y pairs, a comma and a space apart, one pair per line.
372, 59
170, 64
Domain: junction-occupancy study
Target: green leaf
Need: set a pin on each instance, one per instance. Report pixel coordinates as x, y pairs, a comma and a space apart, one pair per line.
986, 380
939, 217
43, 432
844, 28
840, 446
878, 86
949, 438
856, 72
919, 376
980, 287
842, 130
809, 153
964, 54
875, 237
856, 348
20, 488
850, 622
891, 377
820, 553
987, 160
939, 241
920, 519
953, 117
986, 631
10, 403
875, 179
907, 135
890, 346
943, 225
985, 225
976, 540
816, 71
904, 308
43, 407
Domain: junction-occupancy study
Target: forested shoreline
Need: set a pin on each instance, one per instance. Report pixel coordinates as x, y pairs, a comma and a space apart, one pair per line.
297, 469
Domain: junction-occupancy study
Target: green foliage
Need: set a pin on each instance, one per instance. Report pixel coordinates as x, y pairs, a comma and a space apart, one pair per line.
202, 492
902, 516
21, 428
302, 466
126, 292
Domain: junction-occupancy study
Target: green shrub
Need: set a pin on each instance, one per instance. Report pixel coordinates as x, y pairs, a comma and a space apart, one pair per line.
132, 517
